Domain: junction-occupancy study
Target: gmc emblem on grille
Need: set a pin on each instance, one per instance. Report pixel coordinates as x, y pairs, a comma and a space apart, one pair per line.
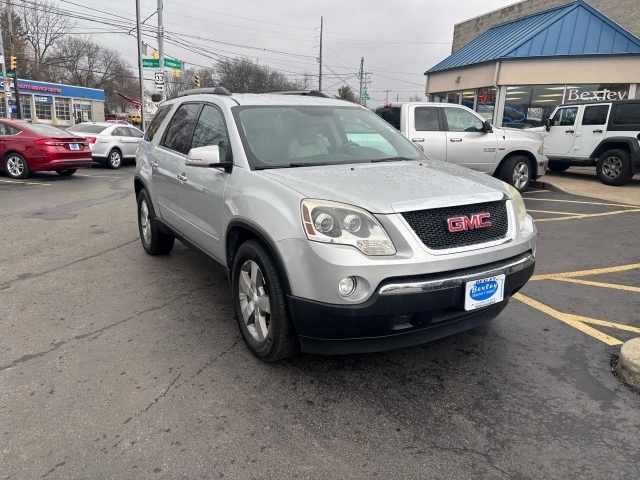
460, 224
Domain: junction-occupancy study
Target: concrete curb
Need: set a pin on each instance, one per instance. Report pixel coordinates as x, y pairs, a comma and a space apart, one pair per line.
629, 363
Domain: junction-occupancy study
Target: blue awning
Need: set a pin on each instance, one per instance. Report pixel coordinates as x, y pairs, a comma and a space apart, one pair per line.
575, 30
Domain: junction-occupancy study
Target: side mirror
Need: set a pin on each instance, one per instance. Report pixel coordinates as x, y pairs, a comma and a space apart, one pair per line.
547, 124
487, 127
208, 156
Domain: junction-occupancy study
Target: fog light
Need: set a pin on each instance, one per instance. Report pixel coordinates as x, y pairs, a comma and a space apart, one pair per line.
347, 286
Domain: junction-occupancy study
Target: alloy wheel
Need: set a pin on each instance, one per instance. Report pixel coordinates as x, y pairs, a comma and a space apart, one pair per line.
520, 175
144, 222
612, 167
15, 166
115, 159
254, 300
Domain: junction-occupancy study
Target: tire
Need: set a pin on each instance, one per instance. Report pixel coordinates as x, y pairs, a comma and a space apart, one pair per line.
114, 160
15, 166
153, 240
516, 171
614, 168
558, 167
67, 173
280, 339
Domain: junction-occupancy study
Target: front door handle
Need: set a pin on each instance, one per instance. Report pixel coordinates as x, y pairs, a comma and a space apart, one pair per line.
570, 131
182, 177
154, 165
597, 131
417, 139
455, 139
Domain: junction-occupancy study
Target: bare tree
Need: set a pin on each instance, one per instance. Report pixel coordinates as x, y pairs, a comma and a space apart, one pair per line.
42, 25
242, 75
415, 98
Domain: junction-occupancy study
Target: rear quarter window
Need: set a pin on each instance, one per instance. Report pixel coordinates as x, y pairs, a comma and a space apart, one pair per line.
153, 127
627, 114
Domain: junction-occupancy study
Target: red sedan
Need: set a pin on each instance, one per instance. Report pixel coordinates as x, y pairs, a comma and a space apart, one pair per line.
27, 147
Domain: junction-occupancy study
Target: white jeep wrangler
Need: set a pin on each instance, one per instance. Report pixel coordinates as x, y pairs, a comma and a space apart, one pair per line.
603, 134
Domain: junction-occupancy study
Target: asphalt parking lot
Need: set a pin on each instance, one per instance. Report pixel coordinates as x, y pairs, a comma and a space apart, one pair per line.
115, 364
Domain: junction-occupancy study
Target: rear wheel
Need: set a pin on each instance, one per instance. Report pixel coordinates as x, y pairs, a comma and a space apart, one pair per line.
614, 168
260, 303
153, 240
558, 167
114, 160
516, 171
16, 166
67, 173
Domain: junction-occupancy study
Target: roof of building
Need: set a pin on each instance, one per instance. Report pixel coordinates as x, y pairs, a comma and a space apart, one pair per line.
576, 29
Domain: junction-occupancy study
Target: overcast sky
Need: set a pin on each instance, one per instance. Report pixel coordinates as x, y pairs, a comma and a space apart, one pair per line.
399, 39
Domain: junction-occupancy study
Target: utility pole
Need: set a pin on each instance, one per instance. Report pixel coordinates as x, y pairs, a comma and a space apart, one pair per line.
15, 72
163, 94
386, 100
361, 75
5, 79
320, 74
140, 65
398, 97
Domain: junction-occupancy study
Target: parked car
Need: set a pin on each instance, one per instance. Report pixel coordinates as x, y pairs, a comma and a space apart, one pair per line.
603, 134
27, 147
332, 243
114, 117
110, 143
457, 134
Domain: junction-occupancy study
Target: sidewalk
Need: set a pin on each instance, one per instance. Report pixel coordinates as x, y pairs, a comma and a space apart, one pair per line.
583, 181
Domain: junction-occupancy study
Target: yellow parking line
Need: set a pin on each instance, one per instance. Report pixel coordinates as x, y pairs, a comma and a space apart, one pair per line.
589, 215
604, 323
585, 273
585, 203
575, 321
555, 213
600, 284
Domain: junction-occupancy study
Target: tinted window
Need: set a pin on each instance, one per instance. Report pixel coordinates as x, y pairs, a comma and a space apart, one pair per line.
627, 114
153, 127
391, 115
178, 134
83, 128
460, 120
8, 129
426, 119
210, 130
565, 117
134, 132
595, 115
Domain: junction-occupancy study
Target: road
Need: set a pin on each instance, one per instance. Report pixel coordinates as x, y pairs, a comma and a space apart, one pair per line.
116, 364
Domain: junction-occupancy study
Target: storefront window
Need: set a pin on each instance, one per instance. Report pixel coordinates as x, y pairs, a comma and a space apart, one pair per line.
530, 105
469, 99
596, 92
453, 97
44, 110
63, 110
25, 106
487, 102
82, 112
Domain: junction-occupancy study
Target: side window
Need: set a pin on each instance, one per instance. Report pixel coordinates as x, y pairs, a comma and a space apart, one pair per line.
117, 132
134, 132
595, 115
627, 114
156, 122
210, 130
12, 130
3, 129
460, 120
178, 134
565, 117
426, 119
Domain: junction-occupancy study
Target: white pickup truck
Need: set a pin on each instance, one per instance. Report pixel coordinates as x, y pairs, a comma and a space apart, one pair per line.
456, 134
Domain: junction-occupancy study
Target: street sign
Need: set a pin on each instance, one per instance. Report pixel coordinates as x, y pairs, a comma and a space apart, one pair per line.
155, 63
159, 80
365, 96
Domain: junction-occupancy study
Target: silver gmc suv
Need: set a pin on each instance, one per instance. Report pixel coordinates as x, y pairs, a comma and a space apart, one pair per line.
338, 234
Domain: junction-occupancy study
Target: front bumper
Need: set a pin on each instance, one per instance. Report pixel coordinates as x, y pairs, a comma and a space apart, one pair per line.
404, 312
543, 164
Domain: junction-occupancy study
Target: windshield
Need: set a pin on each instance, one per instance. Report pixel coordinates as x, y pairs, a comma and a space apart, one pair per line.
44, 129
293, 136
87, 128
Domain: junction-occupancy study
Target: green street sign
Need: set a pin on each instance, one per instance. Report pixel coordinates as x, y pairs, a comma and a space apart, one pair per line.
365, 96
155, 63
11, 74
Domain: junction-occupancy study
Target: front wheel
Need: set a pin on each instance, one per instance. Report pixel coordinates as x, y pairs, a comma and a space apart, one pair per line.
153, 240
516, 171
260, 303
67, 173
614, 168
16, 166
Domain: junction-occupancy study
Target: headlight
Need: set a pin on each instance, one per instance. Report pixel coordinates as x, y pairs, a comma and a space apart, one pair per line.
541, 149
332, 222
518, 202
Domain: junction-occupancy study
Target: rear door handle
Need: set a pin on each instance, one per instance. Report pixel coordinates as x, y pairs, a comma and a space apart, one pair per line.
182, 177
455, 139
154, 165
597, 131
417, 139
570, 131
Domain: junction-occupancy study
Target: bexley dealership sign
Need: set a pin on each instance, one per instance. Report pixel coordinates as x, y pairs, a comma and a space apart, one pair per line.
595, 95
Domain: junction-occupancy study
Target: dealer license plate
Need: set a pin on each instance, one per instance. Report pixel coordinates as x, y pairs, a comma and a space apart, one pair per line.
483, 292
74, 146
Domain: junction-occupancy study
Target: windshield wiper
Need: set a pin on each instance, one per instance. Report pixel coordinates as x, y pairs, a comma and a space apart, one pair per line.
309, 164
390, 159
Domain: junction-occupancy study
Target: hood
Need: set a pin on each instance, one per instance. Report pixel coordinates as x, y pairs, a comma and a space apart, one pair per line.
517, 133
391, 187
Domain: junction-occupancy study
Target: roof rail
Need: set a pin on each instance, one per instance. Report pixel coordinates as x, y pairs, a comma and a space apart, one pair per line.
203, 91
308, 93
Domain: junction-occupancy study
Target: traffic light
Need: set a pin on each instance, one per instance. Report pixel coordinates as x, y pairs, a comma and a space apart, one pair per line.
176, 73
197, 80
14, 63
